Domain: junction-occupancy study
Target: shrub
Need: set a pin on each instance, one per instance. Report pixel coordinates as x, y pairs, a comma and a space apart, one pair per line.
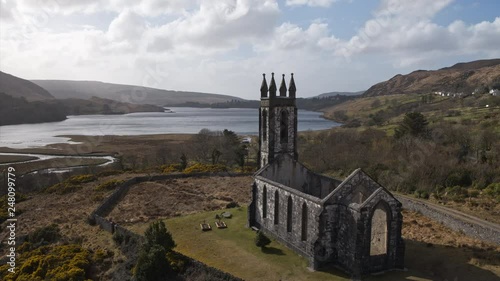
493, 190
109, 173
71, 184
176, 262
460, 178
232, 205
246, 169
421, 194
261, 240
48, 234
63, 188
205, 168
108, 185
81, 179
456, 193
118, 238
172, 168
473, 193
4, 204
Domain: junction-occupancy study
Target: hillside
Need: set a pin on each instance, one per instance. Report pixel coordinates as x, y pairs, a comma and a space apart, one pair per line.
330, 94
97, 105
14, 111
459, 78
21, 88
63, 89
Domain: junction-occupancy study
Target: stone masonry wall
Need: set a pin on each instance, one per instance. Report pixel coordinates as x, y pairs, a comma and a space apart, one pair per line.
278, 229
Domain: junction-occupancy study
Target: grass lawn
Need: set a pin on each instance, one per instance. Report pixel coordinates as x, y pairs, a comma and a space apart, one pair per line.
233, 249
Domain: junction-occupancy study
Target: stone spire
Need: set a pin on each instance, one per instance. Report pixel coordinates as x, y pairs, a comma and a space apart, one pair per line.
263, 87
283, 87
292, 90
272, 87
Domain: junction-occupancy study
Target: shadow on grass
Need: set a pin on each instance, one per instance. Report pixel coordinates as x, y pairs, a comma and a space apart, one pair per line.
272, 251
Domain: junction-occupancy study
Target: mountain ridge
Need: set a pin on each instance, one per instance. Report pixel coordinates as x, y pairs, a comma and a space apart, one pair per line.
463, 77
128, 93
21, 88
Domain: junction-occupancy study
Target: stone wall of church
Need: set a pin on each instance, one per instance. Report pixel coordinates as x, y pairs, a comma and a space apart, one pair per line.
284, 223
345, 229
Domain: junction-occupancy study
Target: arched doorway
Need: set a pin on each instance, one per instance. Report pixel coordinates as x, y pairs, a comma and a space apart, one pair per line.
379, 236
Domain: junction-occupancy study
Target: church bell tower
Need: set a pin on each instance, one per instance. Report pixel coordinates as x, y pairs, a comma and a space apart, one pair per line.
277, 120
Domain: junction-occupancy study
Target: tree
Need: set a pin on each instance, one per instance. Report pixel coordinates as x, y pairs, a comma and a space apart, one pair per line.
157, 234
152, 264
184, 162
414, 124
261, 240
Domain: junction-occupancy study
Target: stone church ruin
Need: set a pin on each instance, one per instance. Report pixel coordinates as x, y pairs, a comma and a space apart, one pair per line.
354, 224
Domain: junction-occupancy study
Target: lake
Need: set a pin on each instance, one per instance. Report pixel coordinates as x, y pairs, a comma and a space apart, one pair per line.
179, 120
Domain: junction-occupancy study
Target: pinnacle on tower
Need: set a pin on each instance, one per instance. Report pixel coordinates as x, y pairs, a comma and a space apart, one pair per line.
283, 87
292, 90
272, 87
263, 87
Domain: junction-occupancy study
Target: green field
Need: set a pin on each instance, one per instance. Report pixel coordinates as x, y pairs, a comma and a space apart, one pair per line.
233, 250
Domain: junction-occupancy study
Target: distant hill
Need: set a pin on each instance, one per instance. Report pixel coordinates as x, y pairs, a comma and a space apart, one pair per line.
16, 110
461, 77
62, 89
24, 102
97, 105
330, 94
21, 88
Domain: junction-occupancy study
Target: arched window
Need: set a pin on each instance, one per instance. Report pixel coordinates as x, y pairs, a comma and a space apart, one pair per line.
379, 230
276, 207
284, 127
289, 212
304, 221
264, 202
264, 125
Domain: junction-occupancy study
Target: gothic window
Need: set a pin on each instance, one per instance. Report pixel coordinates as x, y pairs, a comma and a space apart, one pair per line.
379, 231
289, 214
284, 127
264, 202
276, 207
304, 221
264, 125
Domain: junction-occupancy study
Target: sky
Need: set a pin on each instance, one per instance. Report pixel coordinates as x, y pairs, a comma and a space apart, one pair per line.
224, 46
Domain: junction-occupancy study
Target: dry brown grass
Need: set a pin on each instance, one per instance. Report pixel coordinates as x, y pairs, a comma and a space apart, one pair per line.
170, 198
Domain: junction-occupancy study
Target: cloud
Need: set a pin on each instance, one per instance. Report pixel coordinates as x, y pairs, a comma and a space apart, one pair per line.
216, 27
405, 29
311, 3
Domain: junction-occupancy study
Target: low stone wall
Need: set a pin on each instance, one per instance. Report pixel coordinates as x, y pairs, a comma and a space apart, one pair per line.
470, 229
